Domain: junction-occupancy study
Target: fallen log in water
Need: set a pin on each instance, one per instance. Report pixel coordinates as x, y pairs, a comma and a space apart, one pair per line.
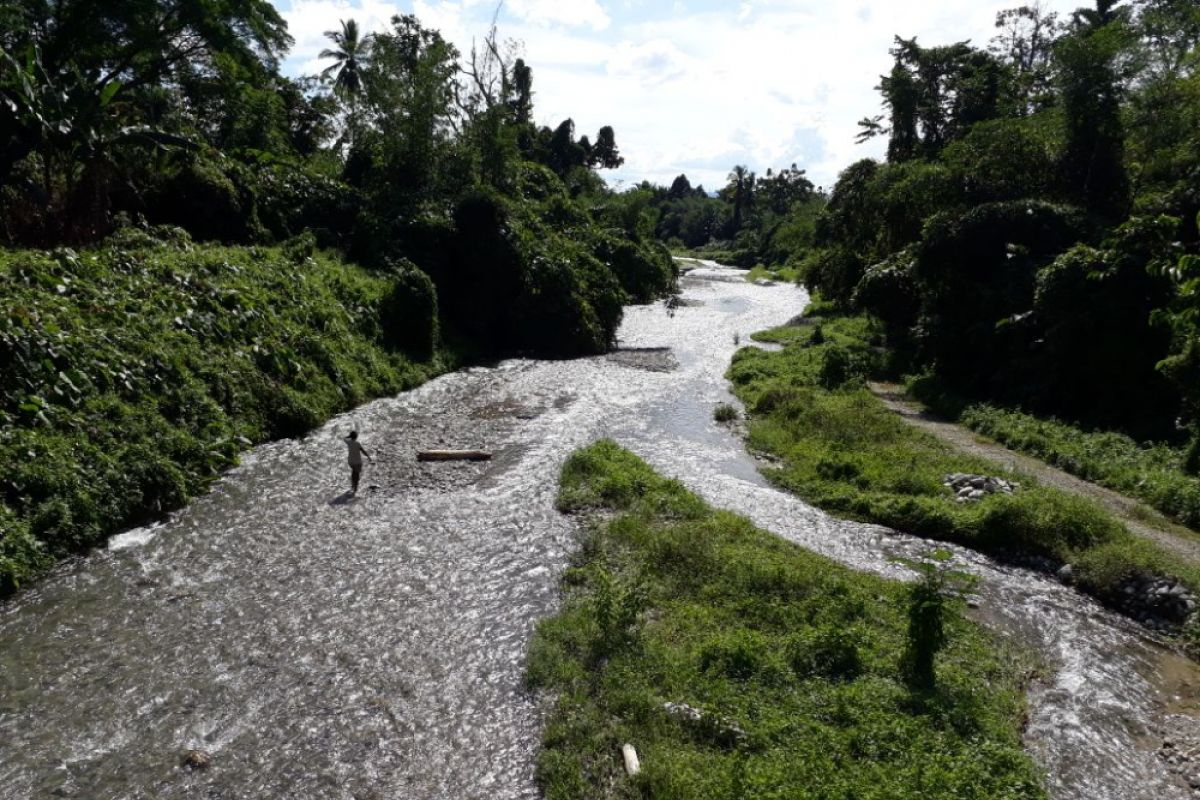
453, 455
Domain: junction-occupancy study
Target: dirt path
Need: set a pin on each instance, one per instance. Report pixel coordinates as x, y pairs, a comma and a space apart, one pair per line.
1139, 518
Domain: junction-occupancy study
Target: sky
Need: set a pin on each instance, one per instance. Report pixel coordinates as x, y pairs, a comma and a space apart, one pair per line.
690, 86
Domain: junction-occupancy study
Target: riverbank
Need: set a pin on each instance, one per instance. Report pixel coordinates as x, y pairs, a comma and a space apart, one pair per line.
1154, 473
841, 449
135, 372
740, 665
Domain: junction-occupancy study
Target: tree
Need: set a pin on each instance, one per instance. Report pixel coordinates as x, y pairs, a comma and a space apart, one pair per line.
105, 56
565, 153
1026, 44
522, 99
1093, 168
779, 192
604, 154
1170, 35
410, 94
901, 96
351, 56
933, 96
741, 183
680, 187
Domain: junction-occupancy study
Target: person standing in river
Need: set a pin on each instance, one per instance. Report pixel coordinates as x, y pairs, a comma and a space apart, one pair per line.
355, 459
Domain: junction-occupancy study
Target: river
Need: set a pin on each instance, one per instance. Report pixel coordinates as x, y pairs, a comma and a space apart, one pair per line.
317, 645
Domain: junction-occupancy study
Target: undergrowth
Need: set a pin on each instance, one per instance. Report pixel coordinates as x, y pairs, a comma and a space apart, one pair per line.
131, 374
790, 675
1153, 473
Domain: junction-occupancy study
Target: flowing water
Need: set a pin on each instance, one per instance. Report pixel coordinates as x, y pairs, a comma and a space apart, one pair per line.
318, 645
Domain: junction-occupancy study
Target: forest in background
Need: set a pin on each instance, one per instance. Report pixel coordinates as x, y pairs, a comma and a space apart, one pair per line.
1031, 238
198, 253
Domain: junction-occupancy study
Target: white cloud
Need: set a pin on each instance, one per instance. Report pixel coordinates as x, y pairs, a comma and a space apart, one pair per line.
562, 12
652, 63
695, 91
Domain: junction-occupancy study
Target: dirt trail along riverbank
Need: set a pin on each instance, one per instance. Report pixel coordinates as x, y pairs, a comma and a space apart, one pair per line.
1133, 513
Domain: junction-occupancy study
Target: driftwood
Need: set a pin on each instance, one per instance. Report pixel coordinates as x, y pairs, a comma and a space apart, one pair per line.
453, 455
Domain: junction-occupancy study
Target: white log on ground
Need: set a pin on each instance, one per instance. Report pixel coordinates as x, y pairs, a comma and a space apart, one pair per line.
453, 455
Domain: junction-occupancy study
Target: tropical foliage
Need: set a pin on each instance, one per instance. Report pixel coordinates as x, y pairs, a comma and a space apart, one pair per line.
155, 153
1032, 238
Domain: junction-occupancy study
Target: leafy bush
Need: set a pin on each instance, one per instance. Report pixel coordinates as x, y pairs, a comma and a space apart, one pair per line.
132, 373
724, 412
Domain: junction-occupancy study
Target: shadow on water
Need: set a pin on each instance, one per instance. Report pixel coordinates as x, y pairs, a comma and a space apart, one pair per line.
343, 499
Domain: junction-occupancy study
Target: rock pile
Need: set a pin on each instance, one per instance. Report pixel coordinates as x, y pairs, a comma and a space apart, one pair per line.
1157, 603
973, 488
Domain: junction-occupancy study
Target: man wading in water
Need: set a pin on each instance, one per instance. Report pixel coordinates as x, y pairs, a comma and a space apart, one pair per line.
357, 451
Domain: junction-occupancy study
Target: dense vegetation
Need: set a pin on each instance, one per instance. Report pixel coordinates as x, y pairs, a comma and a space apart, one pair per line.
1031, 239
841, 449
140, 368
769, 219
789, 675
228, 254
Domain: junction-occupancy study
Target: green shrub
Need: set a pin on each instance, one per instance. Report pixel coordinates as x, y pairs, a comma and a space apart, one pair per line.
828, 652
724, 412
135, 372
409, 312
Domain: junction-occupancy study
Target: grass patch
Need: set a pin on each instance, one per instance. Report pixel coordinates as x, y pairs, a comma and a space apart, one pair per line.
1152, 473
133, 373
795, 664
778, 274
842, 450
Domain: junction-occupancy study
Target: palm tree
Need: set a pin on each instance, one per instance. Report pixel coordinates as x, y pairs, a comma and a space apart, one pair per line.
739, 181
351, 55
350, 58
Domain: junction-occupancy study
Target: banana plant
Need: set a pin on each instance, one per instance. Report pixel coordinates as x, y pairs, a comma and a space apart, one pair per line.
68, 120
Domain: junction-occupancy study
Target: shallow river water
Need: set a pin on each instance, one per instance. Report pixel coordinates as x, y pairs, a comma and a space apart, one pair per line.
321, 646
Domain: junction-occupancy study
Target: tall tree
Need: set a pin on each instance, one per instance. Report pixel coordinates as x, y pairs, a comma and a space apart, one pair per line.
351, 54
410, 92
1026, 44
741, 182
1093, 164
604, 153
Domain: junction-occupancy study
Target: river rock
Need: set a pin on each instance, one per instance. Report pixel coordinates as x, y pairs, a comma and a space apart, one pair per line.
1066, 573
973, 488
1158, 603
196, 759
